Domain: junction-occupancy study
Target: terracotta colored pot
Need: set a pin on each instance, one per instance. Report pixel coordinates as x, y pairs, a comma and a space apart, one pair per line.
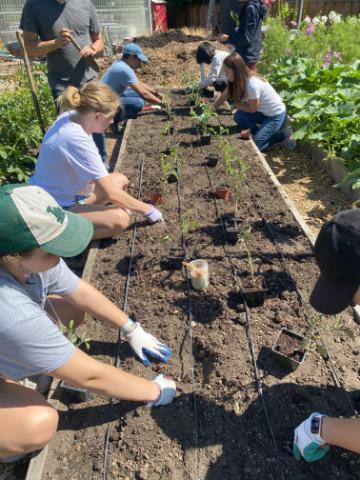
222, 192
156, 198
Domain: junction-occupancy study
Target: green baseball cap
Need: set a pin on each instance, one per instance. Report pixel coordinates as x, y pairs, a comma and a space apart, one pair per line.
31, 218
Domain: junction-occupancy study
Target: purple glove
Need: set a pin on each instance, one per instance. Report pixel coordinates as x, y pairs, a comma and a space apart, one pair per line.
154, 215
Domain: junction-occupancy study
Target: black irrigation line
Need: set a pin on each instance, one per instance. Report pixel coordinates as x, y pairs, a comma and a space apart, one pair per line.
125, 303
190, 331
314, 328
248, 323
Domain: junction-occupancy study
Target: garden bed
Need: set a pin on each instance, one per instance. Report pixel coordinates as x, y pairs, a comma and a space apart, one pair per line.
216, 427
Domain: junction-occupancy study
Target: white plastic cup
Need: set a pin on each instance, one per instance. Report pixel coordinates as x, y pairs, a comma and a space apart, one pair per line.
199, 276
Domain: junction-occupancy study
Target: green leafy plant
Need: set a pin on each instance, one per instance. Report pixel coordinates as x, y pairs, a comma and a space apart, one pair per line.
167, 129
20, 133
75, 338
244, 242
201, 121
237, 168
167, 238
188, 223
170, 164
167, 102
235, 18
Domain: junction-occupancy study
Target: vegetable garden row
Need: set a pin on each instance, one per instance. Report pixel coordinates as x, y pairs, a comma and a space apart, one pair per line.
236, 407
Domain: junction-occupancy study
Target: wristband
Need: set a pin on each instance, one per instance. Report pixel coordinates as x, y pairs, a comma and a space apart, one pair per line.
125, 330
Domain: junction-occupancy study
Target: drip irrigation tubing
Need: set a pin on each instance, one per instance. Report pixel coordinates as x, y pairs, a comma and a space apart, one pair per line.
191, 351
125, 304
314, 328
248, 323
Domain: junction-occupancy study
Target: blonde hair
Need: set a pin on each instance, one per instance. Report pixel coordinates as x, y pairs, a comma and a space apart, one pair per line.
91, 97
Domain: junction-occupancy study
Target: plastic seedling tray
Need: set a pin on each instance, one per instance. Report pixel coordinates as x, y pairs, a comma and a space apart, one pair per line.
205, 139
77, 393
289, 349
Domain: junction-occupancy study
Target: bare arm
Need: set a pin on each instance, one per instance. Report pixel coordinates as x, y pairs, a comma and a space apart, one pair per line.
250, 106
88, 299
119, 197
222, 98
144, 92
86, 372
38, 48
342, 432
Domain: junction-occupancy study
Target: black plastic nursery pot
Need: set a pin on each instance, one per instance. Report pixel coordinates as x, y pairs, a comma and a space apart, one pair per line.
205, 140
289, 349
254, 290
77, 394
212, 160
172, 178
172, 130
232, 229
174, 260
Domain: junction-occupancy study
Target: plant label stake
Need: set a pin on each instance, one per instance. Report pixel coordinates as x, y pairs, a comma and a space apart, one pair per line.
31, 80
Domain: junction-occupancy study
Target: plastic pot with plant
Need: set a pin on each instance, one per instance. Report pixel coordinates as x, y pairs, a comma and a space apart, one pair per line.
252, 285
80, 340
290, 349
156, 197
222, 192
169, 129
174, 257
212, 160
201, 118
170, 164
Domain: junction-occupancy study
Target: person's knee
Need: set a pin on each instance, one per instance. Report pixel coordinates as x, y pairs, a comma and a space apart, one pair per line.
39, 427
120, 179
239, 117
119, 221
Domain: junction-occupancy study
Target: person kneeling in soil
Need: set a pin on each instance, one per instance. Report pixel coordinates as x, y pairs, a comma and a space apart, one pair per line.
34, 233
259, 109
337, 254
70, 168
207, 54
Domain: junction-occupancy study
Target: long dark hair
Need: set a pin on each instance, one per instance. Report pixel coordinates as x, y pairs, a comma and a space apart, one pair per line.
242, 73
205, 53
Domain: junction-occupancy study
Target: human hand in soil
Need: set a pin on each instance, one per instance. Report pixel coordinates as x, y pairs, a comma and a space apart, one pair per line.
167, 389
145, 344
245, 134
307, 444
154, 215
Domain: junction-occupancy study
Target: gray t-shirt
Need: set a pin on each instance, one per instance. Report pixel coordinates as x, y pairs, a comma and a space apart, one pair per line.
30, 343
47, 18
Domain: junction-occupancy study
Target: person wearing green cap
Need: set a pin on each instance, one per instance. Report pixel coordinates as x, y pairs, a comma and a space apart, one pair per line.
337, 253
34, 233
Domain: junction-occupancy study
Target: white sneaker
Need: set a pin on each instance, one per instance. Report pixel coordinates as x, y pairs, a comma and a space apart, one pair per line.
289, 143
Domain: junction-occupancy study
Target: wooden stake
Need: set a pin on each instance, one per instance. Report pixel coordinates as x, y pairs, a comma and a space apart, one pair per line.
89, 60
31, 80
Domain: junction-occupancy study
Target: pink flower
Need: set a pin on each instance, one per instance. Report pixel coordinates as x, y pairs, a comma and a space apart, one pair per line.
307, 19
327, 59
293, 24
337, 56
288, 52
310, 29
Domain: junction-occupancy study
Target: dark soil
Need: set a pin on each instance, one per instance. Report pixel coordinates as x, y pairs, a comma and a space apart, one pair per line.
291, 346
216, 424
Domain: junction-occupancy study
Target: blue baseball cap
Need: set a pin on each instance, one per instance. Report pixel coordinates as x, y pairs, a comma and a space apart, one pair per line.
134, 49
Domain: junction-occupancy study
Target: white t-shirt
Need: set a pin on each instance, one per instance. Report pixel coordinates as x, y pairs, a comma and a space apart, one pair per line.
270, 103
68, 161
216, 69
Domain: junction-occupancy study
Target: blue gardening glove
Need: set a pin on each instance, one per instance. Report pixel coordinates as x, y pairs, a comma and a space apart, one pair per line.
154, 215
309, 445
167, 388
145, 344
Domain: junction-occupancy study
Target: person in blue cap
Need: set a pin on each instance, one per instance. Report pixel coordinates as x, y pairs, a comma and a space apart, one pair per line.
122, 79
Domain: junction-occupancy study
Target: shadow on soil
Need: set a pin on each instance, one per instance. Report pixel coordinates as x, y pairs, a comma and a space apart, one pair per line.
246, 445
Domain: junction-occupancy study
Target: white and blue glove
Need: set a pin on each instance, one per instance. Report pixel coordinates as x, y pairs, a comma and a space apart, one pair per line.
167, 389
309, 445
144, 344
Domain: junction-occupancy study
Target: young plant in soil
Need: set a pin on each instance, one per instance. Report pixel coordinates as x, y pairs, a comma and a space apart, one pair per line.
169, 129
167, 103
188, 224
201, 120
170, 164
77, 339
237, 168
254, 293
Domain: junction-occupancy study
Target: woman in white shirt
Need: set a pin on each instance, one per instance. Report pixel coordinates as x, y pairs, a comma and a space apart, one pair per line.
70, 168
260, 111
206, 54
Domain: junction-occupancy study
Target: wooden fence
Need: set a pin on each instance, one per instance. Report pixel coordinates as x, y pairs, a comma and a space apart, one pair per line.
195, 15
